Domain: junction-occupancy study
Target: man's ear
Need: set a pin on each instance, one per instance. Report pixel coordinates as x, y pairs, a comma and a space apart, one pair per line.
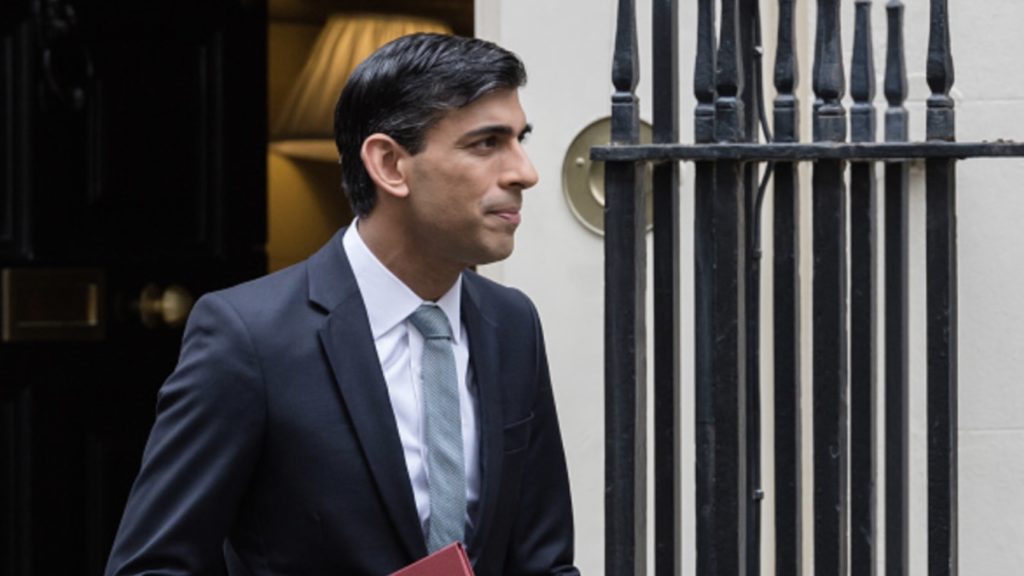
382, 157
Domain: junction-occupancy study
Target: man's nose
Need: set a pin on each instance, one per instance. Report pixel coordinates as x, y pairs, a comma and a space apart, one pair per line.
520, 172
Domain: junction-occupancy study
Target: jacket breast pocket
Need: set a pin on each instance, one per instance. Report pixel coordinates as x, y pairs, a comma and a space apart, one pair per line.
517, 435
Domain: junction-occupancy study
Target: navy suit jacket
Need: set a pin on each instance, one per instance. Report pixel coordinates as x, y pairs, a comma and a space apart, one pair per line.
275, 449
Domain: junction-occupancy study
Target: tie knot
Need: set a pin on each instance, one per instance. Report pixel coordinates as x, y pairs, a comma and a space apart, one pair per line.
431, 322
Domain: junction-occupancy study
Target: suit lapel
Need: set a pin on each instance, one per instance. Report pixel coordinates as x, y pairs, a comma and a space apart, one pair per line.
486, 361
348, 344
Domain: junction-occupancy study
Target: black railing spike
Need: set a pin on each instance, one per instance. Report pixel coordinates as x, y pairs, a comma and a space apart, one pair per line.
940, 57
787, 77
704, 73
626, 63
896, 118
787, 74
729, 119
940, 74
862, 77
828, 82
704, 68
895, 59
862, 72
729, 67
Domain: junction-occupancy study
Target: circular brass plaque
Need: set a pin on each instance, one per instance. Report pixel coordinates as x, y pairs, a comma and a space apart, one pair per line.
583, 179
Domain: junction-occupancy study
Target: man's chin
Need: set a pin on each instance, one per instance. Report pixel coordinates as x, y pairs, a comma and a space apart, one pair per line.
495, 253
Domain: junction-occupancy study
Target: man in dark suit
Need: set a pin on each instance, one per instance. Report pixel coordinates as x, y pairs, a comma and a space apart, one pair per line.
301, 431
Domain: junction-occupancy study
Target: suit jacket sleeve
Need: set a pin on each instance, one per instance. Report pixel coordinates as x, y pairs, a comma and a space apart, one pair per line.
200, 454
542, 536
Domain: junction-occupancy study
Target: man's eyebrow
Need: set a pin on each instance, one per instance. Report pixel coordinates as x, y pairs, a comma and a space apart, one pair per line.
497, 129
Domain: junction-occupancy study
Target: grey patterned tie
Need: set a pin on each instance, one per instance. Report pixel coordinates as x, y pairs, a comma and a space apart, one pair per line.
443, 424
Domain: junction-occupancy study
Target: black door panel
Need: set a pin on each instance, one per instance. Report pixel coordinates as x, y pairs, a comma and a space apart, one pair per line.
132, 150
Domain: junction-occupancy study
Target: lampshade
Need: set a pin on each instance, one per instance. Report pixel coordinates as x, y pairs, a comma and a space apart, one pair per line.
305, 127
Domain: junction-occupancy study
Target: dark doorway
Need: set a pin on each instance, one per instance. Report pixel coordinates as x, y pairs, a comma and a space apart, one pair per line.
132, 159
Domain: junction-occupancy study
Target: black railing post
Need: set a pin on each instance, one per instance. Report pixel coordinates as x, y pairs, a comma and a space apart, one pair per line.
844, 298
703, 242
667, 512
751, 53
897, 317
829, 304
863, 304
788, 467
729, 495
625, 350
941, 306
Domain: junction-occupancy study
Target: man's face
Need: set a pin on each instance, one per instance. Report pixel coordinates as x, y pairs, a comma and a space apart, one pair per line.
466, 183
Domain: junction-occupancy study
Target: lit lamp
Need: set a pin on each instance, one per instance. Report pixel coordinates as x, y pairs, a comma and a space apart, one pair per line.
305, 127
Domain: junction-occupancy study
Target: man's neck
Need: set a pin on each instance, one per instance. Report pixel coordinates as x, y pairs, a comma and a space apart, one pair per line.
428, 279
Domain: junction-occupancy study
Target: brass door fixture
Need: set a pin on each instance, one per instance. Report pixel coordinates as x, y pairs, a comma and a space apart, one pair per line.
165, 307
52, 304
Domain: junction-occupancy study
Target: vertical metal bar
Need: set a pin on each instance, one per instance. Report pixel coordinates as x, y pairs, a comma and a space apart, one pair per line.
750, 52
897, 318
667, 512
863, 305
788, 466
941, 306
703, 242
625, 350
729, 492
829, 304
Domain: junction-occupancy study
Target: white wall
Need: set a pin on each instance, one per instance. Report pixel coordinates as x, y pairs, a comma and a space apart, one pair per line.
567, 47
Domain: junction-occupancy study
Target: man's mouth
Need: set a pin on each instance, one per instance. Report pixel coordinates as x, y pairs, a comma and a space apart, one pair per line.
510, 215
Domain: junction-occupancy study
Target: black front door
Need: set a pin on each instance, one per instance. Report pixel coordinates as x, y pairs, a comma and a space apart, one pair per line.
132, 179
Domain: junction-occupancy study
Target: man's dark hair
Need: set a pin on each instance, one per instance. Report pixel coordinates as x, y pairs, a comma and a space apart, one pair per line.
404, 88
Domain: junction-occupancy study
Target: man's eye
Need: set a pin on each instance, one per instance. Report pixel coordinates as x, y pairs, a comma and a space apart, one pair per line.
487, 143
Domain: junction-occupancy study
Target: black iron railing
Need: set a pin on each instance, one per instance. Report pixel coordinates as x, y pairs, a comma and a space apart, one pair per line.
847, 259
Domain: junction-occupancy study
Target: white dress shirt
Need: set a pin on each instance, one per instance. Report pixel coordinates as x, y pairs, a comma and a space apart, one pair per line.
389, 302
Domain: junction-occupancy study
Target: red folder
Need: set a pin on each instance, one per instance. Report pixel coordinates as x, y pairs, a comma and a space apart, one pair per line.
448, 561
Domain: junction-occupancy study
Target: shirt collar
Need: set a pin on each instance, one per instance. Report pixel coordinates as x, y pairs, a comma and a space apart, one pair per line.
388, 300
